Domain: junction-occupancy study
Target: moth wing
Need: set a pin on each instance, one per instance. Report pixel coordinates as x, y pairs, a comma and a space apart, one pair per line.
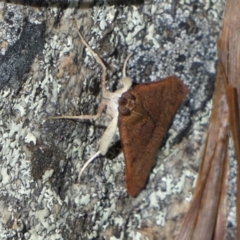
143, 130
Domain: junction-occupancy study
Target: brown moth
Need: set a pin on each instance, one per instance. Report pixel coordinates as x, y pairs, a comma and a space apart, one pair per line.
143, 114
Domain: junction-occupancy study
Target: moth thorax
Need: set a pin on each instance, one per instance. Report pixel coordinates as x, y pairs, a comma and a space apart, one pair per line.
126, 103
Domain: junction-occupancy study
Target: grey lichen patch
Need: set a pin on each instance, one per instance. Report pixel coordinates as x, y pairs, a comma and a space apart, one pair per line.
66, 65
19, 57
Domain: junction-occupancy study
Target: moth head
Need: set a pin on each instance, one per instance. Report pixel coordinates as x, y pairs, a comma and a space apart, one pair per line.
126, 103
127, 83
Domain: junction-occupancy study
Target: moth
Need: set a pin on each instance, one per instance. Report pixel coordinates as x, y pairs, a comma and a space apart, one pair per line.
143, 114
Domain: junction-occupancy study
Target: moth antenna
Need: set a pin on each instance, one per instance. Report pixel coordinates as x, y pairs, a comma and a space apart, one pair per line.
126, 81
87, 163
125, 65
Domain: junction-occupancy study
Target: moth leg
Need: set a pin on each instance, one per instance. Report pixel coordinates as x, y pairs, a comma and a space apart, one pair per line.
87, 163
85, 117
104, 144
103, 83
107, 137
97, 58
